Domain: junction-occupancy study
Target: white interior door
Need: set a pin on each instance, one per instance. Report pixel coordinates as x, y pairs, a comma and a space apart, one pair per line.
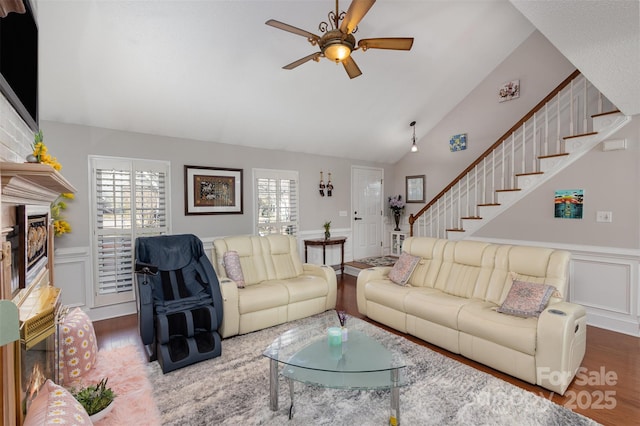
366, 213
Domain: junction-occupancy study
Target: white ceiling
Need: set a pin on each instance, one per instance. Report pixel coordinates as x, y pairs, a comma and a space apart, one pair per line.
211, 70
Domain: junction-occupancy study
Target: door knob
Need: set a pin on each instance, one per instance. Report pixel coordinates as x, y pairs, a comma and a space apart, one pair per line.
357, 218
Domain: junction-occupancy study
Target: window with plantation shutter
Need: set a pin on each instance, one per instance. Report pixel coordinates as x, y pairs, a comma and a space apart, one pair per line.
276, 201
129, 199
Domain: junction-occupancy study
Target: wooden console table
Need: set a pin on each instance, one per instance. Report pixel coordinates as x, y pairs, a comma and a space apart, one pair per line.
324, 243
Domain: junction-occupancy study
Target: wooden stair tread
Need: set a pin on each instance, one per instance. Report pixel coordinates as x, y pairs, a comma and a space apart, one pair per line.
562, 154
529, 174
455, 230
509, 190
488, 205
472, 218
580, 135
605, 113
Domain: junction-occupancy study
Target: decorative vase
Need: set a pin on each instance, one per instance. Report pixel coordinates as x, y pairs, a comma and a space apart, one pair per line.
327, 234
396, 216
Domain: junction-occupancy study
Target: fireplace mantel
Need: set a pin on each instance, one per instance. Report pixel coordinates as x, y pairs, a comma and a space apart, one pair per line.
32, 183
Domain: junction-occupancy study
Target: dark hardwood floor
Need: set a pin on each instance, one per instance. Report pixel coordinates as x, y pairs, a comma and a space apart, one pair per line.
607, 389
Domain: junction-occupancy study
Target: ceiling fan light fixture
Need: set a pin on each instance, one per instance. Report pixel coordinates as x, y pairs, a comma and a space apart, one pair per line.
336, 45
337, 52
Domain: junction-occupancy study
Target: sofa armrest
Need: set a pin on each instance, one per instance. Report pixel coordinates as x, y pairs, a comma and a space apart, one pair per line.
366, 275
231, 309
561, 345
329, 274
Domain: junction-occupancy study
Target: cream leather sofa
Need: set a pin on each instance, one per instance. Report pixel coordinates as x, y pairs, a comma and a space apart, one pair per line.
451, 300
278, 286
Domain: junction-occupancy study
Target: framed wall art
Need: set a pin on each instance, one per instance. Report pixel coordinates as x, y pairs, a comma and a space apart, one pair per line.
415, 189
458, 142
212, 190
509, 90
569, 204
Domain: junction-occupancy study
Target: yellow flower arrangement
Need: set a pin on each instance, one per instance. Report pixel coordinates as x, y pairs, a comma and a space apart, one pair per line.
60, 226
40, 152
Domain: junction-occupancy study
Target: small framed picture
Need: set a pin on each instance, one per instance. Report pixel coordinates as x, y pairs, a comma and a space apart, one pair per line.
509, 90
458, 142
212, 190
415, 189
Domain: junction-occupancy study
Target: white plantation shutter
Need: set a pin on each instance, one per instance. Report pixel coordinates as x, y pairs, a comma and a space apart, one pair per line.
276, 201
130, 199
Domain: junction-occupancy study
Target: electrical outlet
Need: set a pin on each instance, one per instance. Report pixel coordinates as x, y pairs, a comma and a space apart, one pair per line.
604, 216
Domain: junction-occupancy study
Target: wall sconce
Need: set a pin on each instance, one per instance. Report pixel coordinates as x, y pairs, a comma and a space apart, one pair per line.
328, 186
414, 147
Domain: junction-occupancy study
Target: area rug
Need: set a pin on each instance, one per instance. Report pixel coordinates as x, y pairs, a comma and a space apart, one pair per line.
234, 389
379, 260
126, 372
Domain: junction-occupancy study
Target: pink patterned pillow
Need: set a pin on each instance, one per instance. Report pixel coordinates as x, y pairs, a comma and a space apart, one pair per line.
232, 267
403, 268
78, 346
55, 405
526, 299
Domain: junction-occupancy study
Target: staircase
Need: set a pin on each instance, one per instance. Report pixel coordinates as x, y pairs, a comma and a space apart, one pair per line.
565, 125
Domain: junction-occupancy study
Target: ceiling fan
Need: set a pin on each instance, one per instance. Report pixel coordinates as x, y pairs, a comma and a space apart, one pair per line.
337, 43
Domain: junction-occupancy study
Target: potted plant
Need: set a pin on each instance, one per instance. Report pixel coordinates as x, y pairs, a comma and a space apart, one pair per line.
396, 205
96, 399
327, 233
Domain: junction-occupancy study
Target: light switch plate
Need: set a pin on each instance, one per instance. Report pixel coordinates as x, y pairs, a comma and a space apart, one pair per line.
604, 216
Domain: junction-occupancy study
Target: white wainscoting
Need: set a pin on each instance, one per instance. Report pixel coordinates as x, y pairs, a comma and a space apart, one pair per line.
605, 280
73, 274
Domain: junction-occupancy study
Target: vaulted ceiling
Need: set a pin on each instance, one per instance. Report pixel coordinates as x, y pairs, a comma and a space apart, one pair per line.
212, 70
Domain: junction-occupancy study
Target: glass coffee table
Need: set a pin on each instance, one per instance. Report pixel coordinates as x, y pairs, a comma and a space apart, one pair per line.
361, 362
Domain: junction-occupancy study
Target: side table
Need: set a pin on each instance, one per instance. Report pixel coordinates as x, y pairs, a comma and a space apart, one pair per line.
324, 243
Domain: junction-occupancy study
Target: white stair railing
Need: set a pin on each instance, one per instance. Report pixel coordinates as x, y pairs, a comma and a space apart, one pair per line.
565, 112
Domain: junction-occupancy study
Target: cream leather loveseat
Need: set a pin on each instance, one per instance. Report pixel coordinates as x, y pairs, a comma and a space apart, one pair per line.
278, 286
452, 297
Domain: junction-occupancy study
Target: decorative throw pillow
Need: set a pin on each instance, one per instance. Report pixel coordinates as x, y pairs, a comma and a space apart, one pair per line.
78, 346
55, 405
526, 299
403, 268
232, 267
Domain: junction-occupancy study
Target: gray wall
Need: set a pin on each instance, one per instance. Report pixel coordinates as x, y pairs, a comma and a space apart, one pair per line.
539, 67
72, 144
611, 182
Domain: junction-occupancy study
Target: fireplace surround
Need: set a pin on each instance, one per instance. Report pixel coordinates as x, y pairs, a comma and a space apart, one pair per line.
27, 278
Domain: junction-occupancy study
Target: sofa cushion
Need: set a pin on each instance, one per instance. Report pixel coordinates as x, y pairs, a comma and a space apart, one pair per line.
435, 306
55, 405
304, 287
232, 267
386, 293
281, 257
482, 320
78, 347
526, 299
263, 296
403, 268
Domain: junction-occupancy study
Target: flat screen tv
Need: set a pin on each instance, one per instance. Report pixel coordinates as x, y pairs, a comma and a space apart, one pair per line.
19, 63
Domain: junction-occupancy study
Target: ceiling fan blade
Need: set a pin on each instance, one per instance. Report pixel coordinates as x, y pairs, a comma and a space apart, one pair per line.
286, 27
393, 43
351, 67
301, 61
356, 12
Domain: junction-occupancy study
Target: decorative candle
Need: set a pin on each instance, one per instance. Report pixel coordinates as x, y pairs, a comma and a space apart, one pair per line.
334, 335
